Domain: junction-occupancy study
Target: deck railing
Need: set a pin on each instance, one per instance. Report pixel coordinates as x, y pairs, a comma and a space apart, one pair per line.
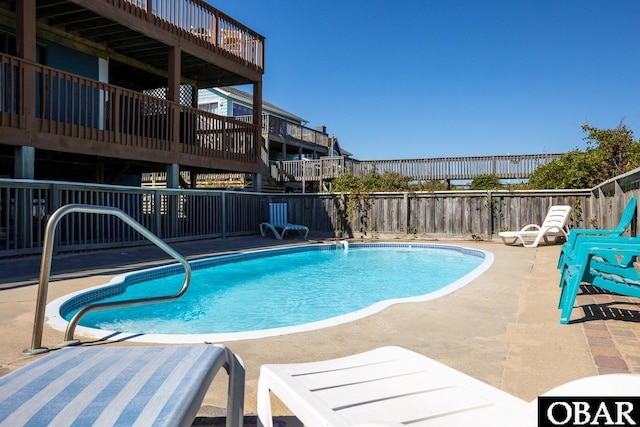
448, 168
202, 23
282, 130
325, 168
76, 107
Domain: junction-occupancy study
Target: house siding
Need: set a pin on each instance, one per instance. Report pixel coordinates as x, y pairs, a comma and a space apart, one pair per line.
208, 96
64, 58
72, 61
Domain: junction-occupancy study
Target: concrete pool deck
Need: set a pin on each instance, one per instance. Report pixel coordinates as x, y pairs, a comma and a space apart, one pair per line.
503, 328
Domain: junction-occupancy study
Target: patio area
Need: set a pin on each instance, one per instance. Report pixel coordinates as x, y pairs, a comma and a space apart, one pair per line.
503, 328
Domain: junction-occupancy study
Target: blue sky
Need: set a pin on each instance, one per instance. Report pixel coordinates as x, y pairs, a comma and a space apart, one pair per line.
436, 78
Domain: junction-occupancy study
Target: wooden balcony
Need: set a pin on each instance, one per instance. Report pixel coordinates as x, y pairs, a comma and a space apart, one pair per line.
277, 130
216, 49
283, 131
140, 106
83, 116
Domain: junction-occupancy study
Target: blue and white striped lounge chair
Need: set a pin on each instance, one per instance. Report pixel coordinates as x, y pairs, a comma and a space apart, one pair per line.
106, 385
278, 221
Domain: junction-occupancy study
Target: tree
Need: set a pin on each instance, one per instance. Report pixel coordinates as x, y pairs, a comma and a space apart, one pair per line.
346, 183
485, 182
616, 151
371, 182
575, 169
393, 181
430, 186
609, 152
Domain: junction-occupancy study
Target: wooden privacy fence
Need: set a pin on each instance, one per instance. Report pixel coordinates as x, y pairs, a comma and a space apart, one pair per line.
178, 215
459, 214
430, 215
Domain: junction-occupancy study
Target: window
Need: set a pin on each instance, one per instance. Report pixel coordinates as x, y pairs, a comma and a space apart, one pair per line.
211, 107
8, 46
242, 110
7, 43
10, 75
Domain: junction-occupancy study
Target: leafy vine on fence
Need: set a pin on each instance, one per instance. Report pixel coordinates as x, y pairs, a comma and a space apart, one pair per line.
496, 212
355, 206
575, 218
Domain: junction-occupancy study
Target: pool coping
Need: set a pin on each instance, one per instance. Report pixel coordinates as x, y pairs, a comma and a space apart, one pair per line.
56, 320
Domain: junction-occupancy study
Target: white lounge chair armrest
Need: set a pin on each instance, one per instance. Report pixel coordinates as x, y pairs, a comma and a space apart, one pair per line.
530, 227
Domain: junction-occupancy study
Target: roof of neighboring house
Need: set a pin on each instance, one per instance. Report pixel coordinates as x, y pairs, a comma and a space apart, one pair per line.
248, 98
345, 152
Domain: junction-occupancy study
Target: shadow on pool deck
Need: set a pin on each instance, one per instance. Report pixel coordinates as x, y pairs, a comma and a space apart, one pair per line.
503, 328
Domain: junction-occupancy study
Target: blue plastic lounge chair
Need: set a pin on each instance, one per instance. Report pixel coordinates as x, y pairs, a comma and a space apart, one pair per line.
119, 385
628, 215
278, 221
554, 225
575, 261
612, 265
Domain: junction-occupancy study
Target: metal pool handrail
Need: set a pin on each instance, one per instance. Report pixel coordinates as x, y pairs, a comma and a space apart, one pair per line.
45, 273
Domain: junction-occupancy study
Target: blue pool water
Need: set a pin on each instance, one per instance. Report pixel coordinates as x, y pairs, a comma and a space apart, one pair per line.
274, 289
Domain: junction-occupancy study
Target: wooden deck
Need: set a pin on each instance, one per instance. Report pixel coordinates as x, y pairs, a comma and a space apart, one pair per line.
127, 101
445, 168
96, 118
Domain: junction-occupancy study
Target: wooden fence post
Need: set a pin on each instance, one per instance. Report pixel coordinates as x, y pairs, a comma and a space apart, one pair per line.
407, 213
491, 214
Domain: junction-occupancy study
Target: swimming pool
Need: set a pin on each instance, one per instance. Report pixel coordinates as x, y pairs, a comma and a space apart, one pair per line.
273, 292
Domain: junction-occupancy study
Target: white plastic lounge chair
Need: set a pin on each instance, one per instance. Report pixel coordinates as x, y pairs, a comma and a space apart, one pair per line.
554, 225
119, 385
386, 386
392, 386
278, 220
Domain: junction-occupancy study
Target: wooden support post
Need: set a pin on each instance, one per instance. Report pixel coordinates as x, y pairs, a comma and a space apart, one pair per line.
25, 156
173, 94
26, 49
